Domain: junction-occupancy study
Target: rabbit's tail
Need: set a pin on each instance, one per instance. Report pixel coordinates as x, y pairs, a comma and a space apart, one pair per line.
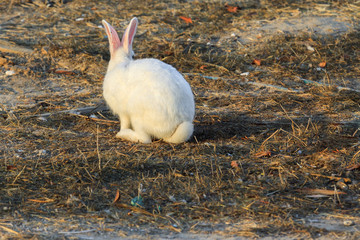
182, 133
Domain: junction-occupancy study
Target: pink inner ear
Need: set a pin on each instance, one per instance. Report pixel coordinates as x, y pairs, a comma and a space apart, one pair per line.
128, 36
132, 31
114, 40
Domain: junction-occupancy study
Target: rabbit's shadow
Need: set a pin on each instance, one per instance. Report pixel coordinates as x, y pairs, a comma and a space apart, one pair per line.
235, 126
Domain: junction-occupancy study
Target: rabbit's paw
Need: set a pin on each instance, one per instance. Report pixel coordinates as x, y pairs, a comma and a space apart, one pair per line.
131, 135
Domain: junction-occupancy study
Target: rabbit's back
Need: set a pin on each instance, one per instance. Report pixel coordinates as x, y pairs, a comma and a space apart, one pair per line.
151, 90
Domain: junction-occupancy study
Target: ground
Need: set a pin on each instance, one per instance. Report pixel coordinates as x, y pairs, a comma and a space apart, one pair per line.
275, 152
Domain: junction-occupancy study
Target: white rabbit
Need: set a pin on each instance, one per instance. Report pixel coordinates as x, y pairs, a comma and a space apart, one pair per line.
151, 97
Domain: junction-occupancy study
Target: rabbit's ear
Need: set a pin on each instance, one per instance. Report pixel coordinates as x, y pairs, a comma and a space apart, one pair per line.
114, 41
128, 36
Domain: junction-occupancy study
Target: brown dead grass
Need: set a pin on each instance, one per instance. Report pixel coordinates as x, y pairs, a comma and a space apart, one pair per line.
262, 143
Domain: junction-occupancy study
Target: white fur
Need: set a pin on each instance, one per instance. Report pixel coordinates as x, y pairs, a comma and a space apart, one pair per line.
151, 98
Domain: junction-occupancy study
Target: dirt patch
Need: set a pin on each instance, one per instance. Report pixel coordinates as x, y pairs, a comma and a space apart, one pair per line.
275, 152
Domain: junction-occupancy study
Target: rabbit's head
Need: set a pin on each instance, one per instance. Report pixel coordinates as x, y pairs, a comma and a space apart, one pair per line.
120, 51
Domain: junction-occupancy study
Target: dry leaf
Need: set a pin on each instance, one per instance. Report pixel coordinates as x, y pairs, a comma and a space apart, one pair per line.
263, 154
231, 9
63, 71
202, 67
117, 196
186, 19
322, 64
178, 175
3, 61
234, 164
319, 191
257, 62
10, 167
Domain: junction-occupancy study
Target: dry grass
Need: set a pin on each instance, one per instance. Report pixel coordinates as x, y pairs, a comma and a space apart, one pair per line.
264, 143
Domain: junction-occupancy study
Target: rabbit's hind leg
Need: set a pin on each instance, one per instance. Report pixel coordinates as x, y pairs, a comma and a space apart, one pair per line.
124, 121
136, 135
131, 135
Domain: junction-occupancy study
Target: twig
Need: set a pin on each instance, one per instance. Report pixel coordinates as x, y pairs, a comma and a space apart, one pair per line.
304, 143
10, 5
287, 115
97, 146
327, 85
99, 119
279, 88
17, 176
269, 137
8, 229
357, 153
282, 130
218, 66
77, 232
138, 210
347, 180
76, 111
